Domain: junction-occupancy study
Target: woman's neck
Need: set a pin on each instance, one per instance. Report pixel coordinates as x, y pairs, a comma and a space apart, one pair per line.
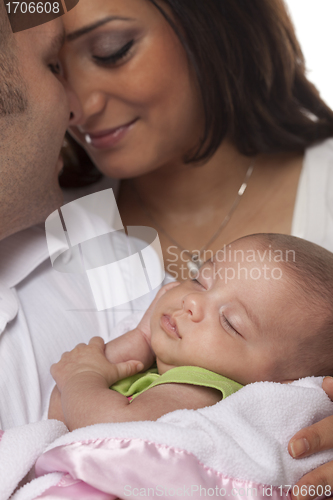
188, 189
188, 205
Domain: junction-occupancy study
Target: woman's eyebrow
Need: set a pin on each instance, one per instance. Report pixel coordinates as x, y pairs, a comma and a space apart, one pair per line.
87, 29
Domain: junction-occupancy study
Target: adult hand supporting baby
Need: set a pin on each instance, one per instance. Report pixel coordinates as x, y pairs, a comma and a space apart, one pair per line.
317, 437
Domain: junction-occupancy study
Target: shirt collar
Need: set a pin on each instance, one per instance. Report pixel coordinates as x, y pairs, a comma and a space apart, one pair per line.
22, 253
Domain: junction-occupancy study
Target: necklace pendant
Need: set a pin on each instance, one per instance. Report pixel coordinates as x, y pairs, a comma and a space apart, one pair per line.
194, 265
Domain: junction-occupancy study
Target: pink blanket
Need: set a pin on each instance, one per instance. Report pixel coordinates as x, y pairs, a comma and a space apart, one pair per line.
236, 448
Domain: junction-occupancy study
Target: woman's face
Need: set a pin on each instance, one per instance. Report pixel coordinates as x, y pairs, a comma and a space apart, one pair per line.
141, 104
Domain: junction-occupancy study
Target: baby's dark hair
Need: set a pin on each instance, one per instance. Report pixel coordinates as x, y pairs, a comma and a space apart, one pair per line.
309, 268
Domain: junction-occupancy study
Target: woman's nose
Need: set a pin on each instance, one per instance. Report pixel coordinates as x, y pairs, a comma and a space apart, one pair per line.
84, 105
93, 104
193, 305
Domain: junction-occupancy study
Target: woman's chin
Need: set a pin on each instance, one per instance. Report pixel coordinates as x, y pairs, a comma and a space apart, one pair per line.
124, 168
120, 172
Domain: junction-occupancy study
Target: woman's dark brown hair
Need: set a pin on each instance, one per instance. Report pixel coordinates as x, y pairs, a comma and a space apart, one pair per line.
252, 75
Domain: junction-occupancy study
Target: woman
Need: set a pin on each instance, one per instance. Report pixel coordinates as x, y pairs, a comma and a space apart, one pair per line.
204, 111
150, 97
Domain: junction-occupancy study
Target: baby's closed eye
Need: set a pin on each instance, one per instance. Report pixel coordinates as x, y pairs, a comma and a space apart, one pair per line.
227, 325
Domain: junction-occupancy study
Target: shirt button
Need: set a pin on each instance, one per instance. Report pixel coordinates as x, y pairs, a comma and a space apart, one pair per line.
8, 306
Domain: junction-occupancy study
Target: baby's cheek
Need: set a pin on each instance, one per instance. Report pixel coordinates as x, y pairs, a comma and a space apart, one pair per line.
153, 341
156, 343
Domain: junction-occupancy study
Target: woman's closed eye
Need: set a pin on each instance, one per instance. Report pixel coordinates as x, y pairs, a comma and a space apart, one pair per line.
116, 56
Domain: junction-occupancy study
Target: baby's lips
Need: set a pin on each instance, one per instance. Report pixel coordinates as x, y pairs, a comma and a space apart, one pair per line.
174, 325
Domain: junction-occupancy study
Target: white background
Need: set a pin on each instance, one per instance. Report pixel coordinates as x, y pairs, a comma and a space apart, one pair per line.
313, 20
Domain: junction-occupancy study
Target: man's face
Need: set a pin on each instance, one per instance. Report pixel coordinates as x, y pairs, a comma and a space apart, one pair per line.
31, 140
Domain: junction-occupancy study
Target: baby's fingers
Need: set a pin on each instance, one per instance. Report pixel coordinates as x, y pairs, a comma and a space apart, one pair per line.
52, 370
125, 369
55, 371
97, 342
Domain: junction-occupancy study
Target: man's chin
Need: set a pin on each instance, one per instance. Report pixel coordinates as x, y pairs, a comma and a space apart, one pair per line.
47, 206
55, 202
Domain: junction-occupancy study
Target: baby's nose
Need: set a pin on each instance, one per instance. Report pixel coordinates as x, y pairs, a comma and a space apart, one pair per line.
192, 304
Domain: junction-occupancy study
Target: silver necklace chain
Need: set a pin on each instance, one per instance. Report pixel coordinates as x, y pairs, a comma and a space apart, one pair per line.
195, 263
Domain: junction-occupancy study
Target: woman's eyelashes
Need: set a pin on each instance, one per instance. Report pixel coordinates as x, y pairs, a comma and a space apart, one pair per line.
116, 57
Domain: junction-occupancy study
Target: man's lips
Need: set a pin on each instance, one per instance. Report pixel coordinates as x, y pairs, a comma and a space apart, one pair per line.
169, 325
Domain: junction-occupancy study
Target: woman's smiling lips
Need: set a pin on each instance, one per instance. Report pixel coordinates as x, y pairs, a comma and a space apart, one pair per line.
108, 138
169, 325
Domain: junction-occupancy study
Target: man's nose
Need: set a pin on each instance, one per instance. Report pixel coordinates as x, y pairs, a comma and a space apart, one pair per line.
193, 305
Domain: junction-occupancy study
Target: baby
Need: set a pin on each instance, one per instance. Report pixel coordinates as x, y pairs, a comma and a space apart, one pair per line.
260, 310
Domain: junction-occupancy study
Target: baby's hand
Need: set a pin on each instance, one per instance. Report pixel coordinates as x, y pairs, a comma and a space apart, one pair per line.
90, 359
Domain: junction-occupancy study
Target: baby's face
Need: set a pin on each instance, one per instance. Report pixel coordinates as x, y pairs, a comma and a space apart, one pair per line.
238, 318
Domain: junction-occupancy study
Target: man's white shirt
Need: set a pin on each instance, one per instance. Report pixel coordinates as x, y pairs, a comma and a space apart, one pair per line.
43, 313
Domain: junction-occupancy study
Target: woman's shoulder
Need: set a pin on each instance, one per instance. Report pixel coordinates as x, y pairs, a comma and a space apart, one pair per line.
318, 168
320, 154
313, 213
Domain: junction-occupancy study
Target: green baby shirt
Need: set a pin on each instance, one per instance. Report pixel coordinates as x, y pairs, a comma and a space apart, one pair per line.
137, 384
